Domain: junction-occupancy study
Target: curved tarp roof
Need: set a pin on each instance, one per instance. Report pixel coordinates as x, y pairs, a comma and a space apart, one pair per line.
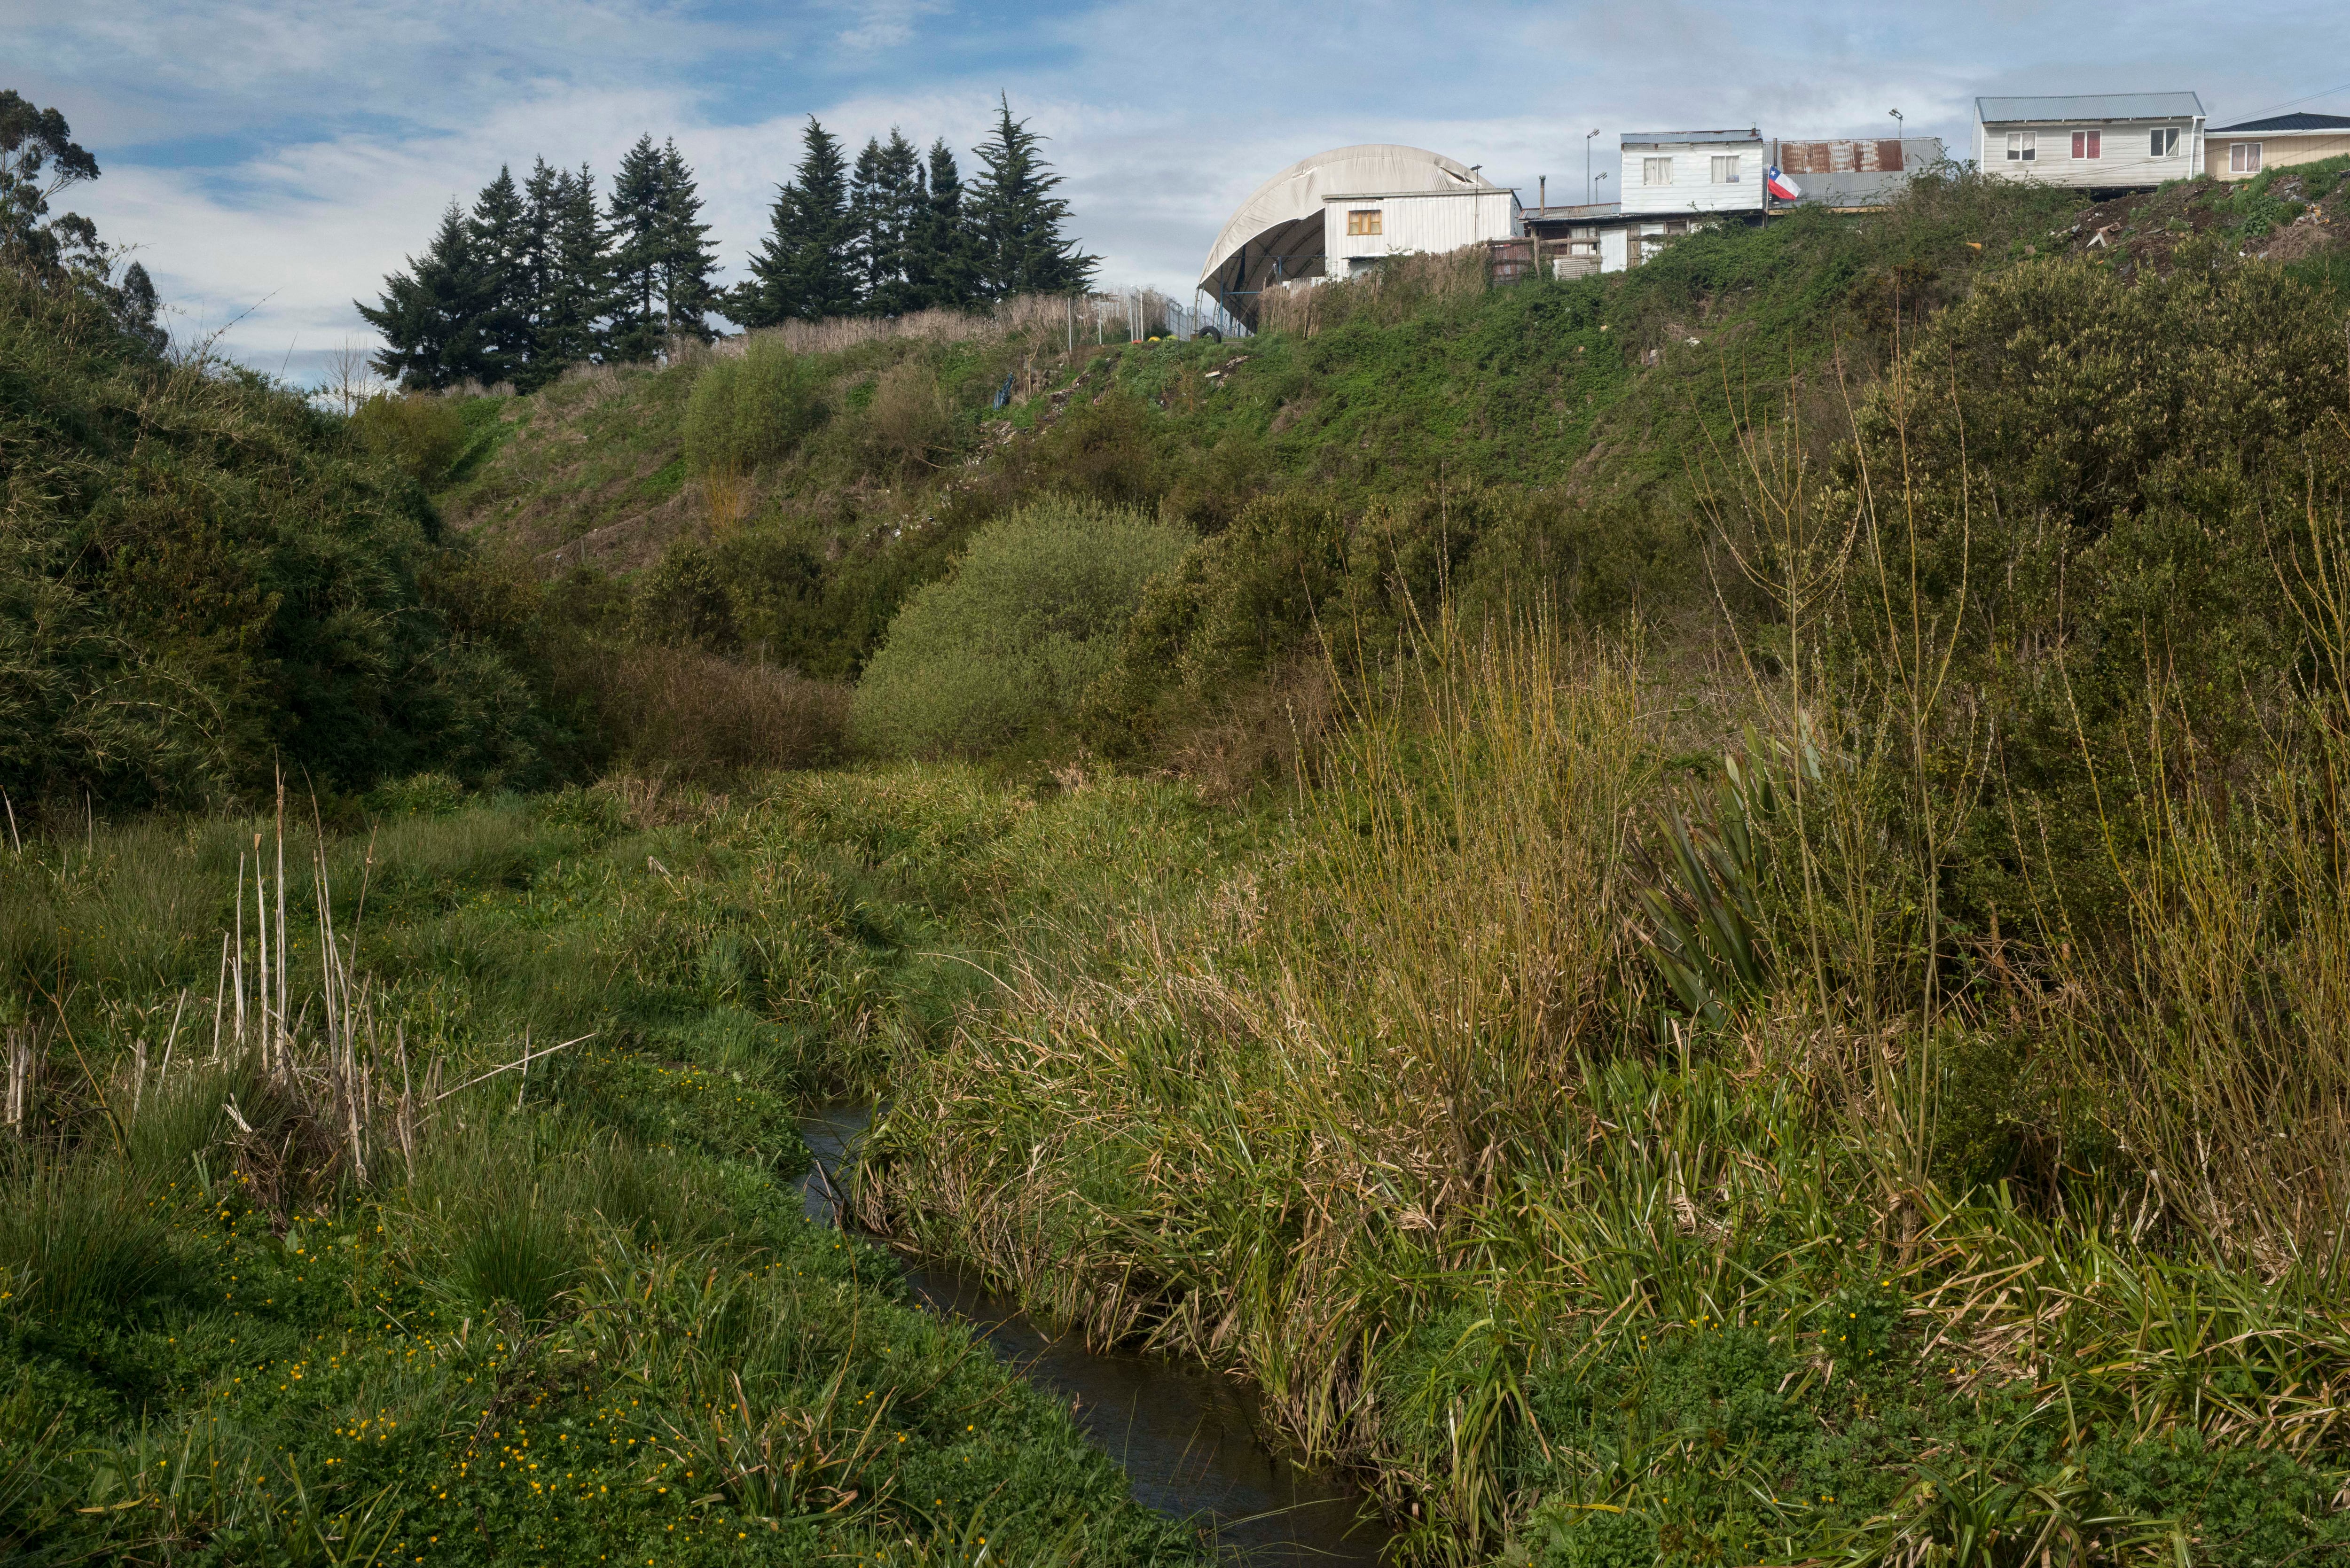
1281, 211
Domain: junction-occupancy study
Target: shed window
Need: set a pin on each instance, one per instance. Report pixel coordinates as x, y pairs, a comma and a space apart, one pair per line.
2163, 142
1364, 220
2023, 146
2243, 158
1725, 171
2088, 144
1656, 171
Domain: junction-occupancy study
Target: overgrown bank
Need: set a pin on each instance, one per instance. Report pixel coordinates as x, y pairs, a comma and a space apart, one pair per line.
289, 1280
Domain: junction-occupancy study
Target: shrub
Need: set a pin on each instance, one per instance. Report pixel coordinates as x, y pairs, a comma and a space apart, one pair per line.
210, 579
1001, 652
908, 423
421, 434
685, 712
753, 409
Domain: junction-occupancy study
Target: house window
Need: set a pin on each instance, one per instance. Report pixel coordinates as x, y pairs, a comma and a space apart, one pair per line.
1656, 171
1725, 171
2243, 158
2163, 142
2086, 144
2023, 146
1364, 220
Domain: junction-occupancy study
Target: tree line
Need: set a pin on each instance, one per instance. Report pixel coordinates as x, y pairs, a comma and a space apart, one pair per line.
547, 272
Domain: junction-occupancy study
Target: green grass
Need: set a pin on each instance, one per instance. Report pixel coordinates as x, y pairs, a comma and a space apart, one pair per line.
575, 1314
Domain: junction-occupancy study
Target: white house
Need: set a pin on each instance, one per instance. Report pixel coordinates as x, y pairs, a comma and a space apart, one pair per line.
2096, 140
1340, 212
1691, 171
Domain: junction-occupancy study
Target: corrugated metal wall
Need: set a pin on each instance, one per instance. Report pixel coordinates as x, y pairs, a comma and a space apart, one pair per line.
1411, 222
1692, 189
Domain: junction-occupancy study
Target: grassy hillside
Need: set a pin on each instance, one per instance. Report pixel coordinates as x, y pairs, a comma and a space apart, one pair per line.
1592, 398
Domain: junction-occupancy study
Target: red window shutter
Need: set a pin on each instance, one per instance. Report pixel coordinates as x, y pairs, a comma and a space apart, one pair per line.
2080, 144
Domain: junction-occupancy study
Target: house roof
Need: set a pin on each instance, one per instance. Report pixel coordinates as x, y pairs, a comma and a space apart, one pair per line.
2303, 121
1687, 137
2089, 105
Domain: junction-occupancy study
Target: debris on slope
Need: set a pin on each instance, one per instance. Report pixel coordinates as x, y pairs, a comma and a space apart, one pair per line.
2285, 216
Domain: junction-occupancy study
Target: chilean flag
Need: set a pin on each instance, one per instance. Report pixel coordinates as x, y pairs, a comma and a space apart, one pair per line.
1786, 190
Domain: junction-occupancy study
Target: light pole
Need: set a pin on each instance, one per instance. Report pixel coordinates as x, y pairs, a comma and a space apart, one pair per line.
1586, 165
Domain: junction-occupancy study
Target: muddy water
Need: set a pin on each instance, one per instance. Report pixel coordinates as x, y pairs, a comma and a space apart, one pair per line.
1189, 1440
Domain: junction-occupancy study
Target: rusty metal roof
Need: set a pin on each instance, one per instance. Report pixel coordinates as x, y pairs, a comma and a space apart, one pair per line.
2088, 106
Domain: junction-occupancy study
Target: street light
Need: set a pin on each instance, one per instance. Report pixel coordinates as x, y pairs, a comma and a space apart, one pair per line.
1587, 164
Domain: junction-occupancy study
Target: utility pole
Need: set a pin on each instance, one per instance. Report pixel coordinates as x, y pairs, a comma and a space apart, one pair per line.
1587, 166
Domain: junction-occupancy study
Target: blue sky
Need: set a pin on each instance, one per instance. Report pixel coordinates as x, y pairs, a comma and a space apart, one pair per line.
272, 159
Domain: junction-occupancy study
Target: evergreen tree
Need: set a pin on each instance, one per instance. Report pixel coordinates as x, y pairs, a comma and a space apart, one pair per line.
940, 274
802, 269
500, 221
1017, 218
429, 312
135, 307
578, 289
542, 203
687, 256
885, 204
661, 261
636, 254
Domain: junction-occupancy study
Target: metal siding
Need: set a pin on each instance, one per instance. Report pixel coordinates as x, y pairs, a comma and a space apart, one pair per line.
1411, 222
1693, 189
2124, 160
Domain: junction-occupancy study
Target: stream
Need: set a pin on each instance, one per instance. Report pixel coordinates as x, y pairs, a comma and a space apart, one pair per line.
1189, 1440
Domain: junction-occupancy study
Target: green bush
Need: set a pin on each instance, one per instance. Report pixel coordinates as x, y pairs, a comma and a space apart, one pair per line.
1001, 652
421, 434
753, 409
204, 578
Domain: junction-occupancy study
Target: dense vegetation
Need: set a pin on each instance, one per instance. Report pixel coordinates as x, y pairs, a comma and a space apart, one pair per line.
203, 579
1696, 916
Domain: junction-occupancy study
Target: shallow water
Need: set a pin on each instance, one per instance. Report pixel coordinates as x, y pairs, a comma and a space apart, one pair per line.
1189, 1440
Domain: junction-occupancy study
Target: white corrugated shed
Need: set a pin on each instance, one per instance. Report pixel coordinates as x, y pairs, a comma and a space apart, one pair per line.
1358, 227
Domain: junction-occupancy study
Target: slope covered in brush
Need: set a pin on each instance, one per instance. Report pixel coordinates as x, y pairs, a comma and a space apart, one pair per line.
1579, 409
203, 576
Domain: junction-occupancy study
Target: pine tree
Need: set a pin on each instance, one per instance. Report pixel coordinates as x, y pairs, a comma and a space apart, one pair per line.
578, 291
636, 257
500, 244
135, 308
428, 312
885, 202
542, 199
802, 269
1017, 218
939, 257
687, 256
